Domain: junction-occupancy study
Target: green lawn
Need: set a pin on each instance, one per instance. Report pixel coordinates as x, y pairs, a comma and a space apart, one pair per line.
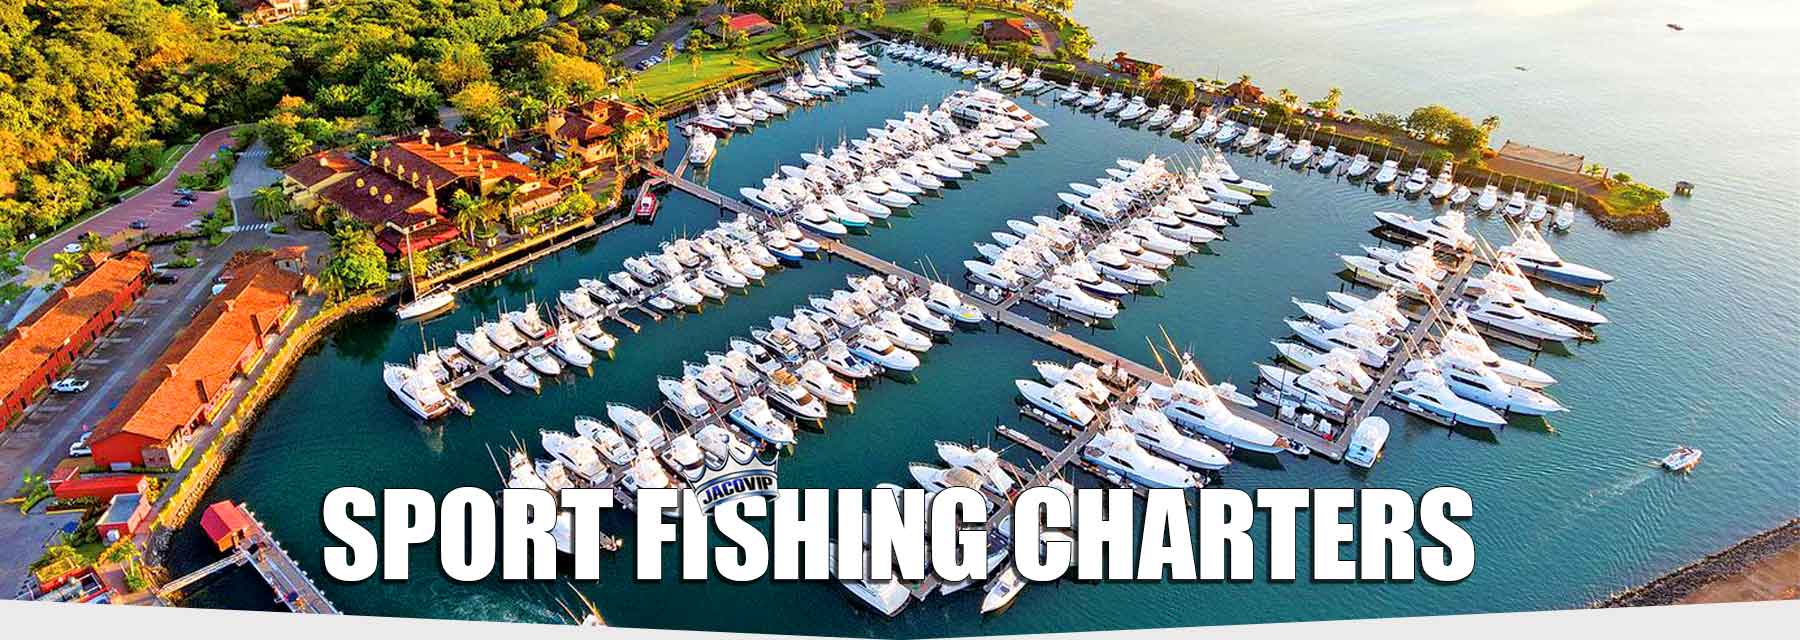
674, 78
959, 28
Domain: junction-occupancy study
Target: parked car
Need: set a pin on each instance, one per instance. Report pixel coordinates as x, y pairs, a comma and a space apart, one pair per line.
164, 277
80, 448
70, 385
140, 224
643, 43
184, 203
183, 191
73, 247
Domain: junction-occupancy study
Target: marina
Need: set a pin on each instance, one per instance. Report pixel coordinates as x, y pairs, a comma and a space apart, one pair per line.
1230, 306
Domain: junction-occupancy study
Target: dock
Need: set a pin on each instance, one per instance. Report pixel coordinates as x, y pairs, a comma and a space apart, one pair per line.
1002, 314
1416, 335
233, 526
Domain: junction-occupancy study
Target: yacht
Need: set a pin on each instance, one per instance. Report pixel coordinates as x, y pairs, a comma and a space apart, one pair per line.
720, 445
1448, 228
711, 381
637, 425
684, 396
1340, 361
685, 458
1370, 346
1515, 205
502, 335
1302, 153
1118, 451
1459, 336
840, 361
614, 448
1489, 198
1061, 294
1417, 181
895, 328
945, 300
529, 323
872, 345
818, 380
1441, 187
1426, 392
1540, 208
915, 312
542, 362
1535, 258
1359, 165
1322, 390
1133, 109
521, 374
576, 453
1277, 144
1160, 117
787, 393
1505, 277
981, 460
1156, 433
1390, 169
1062, 401
702, 146
568, 346
577, 303
1366, 442
1199, 407
755, 418
477, 346
425, 305
887, 597
419, 391
1470, 378
1499, 309
1459, 195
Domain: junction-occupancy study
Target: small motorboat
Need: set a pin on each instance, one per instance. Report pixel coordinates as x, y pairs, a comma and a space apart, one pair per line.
1682, 459
520, 374
1366, 443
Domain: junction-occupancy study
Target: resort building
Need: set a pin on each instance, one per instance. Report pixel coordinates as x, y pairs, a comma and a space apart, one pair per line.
154, 424
400, 189
749, 24
124, 517
39, 349
1001, 31
1133, 67
586, 132
259, 12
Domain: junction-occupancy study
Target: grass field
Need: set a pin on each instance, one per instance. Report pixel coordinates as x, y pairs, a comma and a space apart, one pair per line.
677, 77
959, 28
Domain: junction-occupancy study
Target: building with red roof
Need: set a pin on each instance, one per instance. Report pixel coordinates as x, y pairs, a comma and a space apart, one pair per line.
1130, 66
104, 487
1002, 30
586, 131
749, 24
226, 524
124, 516
35, 353
154, 424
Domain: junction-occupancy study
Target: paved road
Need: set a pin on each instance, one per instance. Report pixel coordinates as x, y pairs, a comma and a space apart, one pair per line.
155, 205
22, 541
252, 172
630, 56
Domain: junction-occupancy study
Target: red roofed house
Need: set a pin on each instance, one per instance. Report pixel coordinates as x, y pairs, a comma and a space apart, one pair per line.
154, 424
270, 11
1008, 30
69, 486
123, 517
35, 353
585, 131
227, 524
1127, 65
749, 24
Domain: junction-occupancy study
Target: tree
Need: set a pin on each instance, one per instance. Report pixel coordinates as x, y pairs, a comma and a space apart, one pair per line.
694, 60
1176, 89
1287, 98
795, 29
94, 243
668, 51
1329, 103
271, 203
936, 26
877, 10
65, 266
356, 263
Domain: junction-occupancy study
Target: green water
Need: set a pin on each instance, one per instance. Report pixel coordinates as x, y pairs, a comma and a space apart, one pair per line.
1703, 328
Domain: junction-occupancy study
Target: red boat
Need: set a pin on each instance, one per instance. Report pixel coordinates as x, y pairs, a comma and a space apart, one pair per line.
645, 209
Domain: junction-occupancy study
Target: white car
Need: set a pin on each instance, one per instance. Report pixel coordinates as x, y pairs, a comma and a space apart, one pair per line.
80, 448
70, 385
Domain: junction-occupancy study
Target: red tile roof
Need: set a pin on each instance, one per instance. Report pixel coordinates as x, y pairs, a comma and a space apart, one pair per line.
62, 317
318, 167
1007, 30
223, 519
206, 354
747, 21
375, 197
435, 158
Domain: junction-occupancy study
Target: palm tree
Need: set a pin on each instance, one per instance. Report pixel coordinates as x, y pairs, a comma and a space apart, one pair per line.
93, 243
1490, 123
507, 194
65, 266
271, 203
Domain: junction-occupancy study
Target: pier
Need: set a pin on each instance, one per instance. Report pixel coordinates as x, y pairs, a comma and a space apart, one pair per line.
235, 529
1416, 335
1003, 315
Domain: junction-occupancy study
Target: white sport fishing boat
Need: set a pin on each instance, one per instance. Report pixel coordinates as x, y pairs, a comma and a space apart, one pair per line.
1366, 443
636, 425
1156, 433
1199, 407
1118, 451
1062, 401
755, 418
1426, 392
417, 390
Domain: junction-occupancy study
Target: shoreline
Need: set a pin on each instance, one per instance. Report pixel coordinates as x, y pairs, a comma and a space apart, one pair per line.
1752, 569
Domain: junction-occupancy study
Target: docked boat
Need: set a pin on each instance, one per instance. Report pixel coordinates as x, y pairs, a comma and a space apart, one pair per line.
872, 345
1199, 407
1155, 432
983, 461
886, 597
1471, 379
1501, 310
712, 382
1506, 277
613, 447
576, 453
1416, 181
1489, 198
1062, 401
568, 346
1118, 451
818, 380
1460, 336
1367, 441
521, 374
417, 390
1535, 258
1370, 346
1427, 393
502, 336
540, 360
479, 348
755, 418
945, 300
684, 396
1448, 229
1443, 185
1358, 167
840, 361
1390, 170
788, 393
1320, 390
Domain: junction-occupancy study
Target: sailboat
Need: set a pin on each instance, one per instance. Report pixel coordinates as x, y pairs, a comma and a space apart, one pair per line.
426, 304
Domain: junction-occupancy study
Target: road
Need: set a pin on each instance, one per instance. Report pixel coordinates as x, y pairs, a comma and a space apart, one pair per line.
632, 55
155, 205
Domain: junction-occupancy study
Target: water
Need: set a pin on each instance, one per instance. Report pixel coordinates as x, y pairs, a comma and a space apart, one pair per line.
1563, 514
